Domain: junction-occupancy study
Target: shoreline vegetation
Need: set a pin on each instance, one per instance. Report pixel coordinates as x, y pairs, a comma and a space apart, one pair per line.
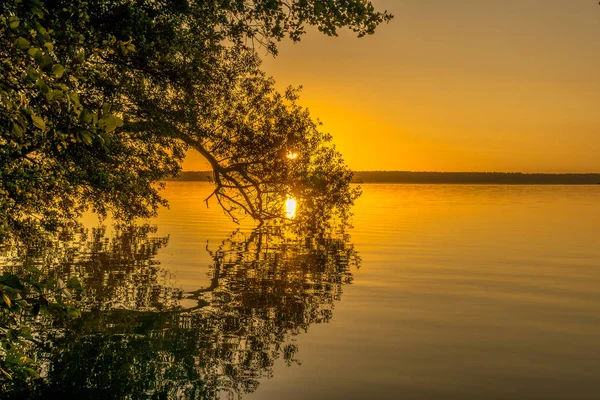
502, 178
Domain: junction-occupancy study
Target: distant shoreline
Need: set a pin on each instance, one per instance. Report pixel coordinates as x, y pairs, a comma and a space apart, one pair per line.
502, 178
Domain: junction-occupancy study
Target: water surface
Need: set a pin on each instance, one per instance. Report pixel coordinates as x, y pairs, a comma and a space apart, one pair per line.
443, 292
463, 292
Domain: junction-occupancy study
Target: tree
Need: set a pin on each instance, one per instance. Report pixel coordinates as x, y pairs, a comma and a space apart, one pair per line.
101, 99
59, 149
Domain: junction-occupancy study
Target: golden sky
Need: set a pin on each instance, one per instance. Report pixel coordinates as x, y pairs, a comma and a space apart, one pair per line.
457, 85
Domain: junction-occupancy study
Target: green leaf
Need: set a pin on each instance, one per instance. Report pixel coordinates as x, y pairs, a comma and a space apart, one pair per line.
9, 376
31, 372
55, 94
25, 331
6, 300
38, 57
6, 101
22, 43
47, 61
87, 138
37, 11
17, 129
49, 46
85, 117
74, 97
58, 70
32, 73
14, 22
44, 88
110, 123
42, 31
38, 122
73, 313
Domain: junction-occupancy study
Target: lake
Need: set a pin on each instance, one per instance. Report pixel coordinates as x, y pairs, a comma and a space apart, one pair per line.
442, 292
462, 292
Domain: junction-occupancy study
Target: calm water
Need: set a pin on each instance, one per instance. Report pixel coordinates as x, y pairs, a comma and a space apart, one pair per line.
462, 292
459, 292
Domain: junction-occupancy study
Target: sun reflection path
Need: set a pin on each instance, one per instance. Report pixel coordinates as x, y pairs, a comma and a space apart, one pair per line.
290, 203
290, 208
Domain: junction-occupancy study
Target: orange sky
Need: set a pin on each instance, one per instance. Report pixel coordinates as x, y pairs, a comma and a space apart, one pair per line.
461, 85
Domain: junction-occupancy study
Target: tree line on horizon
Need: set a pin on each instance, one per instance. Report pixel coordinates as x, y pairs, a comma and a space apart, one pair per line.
443, 177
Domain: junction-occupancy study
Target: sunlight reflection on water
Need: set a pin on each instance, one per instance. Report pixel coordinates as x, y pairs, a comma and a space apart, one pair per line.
290, 208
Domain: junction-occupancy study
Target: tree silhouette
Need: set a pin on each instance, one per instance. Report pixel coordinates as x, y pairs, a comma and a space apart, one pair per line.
99, 100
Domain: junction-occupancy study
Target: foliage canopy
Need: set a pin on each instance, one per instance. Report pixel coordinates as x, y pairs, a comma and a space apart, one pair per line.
101, 99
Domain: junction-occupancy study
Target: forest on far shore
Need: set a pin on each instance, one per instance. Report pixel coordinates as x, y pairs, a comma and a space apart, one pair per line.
514, 178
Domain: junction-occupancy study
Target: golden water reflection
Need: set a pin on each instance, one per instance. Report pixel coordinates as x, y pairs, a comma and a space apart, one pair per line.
290, 207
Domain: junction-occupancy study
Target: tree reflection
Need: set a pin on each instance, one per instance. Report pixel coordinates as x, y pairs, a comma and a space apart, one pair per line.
134, 340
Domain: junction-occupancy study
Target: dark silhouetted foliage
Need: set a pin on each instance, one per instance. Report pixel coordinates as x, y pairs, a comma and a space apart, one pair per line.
99, 101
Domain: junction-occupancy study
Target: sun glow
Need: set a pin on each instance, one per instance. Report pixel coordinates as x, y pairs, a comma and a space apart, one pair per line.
290, 208
292, 156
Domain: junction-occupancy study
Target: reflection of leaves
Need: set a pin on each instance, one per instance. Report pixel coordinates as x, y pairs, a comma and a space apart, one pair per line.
264, 290
40, 284
12, 281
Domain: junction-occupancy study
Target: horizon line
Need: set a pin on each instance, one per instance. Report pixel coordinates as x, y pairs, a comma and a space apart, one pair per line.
452, 172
